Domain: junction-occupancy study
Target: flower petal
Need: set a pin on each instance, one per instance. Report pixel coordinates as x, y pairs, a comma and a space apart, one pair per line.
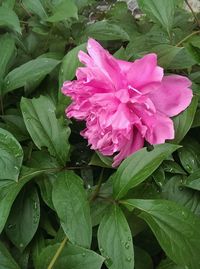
159, 128
173, 95
135, 143
144, 71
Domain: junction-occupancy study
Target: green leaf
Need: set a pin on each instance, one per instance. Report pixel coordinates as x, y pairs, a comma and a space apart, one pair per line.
8, 3
15, 125
42, 159
189, 154
24, 218
35, 7
175, 190
44, 128
115, 240
104, 30
70, 63
70, 202
30, 72
9, 191
175, 227
168, 264
138, 167
11, 156
161, 11
193, 181
142, 263
71, 257
172, 57
99, 160
6, 260
8, 18
7, 44
183, 122
66, 9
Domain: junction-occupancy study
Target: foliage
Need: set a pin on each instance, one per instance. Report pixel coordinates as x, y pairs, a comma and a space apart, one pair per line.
63, 205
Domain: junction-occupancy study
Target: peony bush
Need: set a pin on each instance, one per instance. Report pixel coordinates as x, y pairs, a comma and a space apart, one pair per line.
99, 134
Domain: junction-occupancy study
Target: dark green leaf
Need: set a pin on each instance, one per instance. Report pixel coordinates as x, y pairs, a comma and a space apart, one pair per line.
104, 30
183, 122
35, 7
24, 218
172, 167
7, 44
70, 202
9, 191
172, 57
15, 125
71, 257
174, 190
66, 9
193, 181
70, 63
44, 128
142, 263
99, 160
168, 264
115, 240
175, 227
32, 71
6, 260
8, 3
8, 18
139, 167
161, 11
11, 156
189, 154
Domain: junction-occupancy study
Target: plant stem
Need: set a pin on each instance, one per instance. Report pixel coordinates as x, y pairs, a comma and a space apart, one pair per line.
1, 104
96, 192
187, 37
57, 254
193, 13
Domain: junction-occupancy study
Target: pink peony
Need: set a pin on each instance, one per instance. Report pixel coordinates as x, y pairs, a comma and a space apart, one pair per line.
124, 103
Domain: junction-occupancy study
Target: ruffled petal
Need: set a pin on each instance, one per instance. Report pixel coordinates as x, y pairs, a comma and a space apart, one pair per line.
173, 96
106, 63
159, 128
144, 71
135, 143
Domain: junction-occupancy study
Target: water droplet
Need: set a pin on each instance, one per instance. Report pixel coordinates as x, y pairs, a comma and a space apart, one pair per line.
128, 259
21, 245
61, 71
51, 110
101, 250
35, 219
16, 168
129, 238
126, 245
11, 226
35, 205
180, 188
7, 82
83, 254
108, 261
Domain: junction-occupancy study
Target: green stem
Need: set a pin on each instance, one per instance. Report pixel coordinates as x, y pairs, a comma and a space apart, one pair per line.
57, 254
1, 104
96, 192
193, 13
187, 37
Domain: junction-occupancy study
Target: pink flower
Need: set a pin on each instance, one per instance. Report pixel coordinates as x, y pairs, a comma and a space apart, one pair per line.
124, 103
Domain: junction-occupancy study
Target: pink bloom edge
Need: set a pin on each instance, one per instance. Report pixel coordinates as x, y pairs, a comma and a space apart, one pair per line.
124, 103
